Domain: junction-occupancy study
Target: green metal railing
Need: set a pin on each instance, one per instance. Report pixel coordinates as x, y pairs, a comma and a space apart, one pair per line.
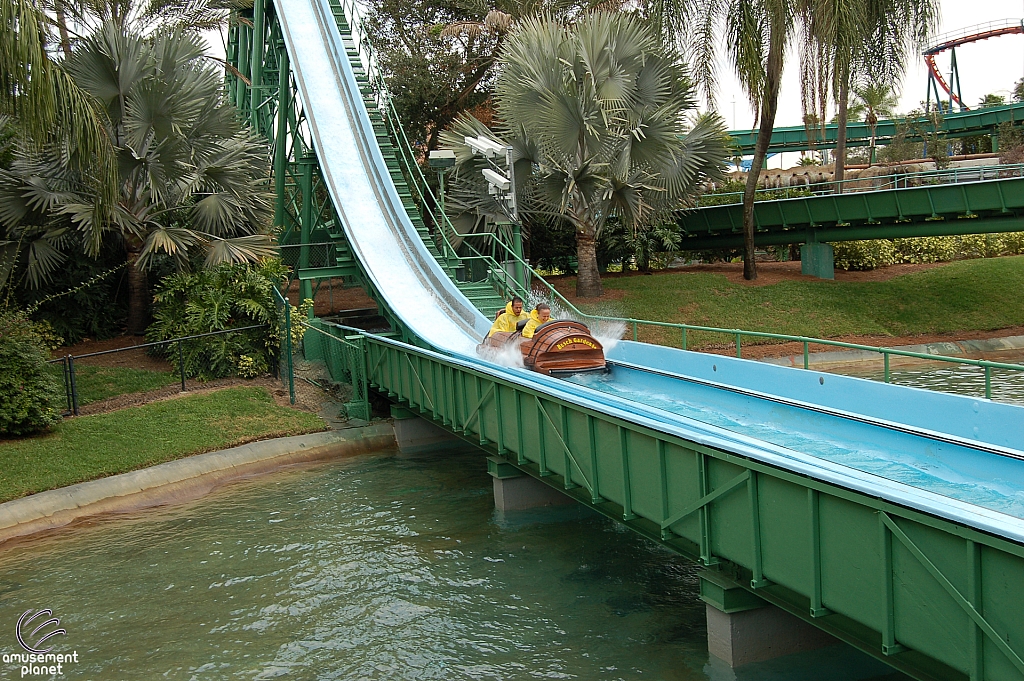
871, 184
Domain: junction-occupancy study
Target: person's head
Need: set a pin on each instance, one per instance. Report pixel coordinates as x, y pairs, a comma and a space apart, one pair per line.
517, 305
543, 312
500, 312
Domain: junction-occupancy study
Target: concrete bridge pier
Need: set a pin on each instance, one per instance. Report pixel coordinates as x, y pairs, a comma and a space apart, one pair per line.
516, 491
743, 629
817, 260
414, 434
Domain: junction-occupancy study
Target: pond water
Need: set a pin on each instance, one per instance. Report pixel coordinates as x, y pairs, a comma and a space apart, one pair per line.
1007, 384
383, 567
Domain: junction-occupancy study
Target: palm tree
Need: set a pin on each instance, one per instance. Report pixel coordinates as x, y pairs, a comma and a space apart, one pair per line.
596, 115
189, 177
871, 101
43, 101
757, 34
850, 40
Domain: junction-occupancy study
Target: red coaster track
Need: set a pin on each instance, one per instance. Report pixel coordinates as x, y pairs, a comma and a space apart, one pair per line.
963, 36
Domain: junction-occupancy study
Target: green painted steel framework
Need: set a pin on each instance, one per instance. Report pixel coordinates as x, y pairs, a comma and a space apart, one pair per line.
932, 598
966, 208
858, 134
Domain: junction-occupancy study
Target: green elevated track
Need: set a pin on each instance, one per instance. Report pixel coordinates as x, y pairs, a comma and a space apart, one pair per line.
936, 599
936, 210
953, 125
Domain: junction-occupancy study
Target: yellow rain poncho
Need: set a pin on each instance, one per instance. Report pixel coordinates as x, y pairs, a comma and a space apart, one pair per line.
507, 321
531, 326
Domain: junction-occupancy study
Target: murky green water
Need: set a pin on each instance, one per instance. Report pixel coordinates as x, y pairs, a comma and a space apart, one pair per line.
383, 567
1007, 384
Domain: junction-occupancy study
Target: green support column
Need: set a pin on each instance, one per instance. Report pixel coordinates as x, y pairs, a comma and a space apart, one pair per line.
256, 49
306, 223
243, 64
281, 138
817, 260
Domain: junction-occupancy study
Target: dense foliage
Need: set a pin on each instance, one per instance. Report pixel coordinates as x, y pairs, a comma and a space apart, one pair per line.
869, 255
189, 178
224, 297
30, 394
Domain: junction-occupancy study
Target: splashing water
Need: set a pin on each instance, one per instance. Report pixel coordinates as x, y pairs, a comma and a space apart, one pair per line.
608, 333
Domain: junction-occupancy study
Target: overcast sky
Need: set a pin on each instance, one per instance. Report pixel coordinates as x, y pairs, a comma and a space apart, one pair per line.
990, 66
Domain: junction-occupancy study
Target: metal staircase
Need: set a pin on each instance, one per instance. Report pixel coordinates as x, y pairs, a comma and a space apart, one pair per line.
485, 294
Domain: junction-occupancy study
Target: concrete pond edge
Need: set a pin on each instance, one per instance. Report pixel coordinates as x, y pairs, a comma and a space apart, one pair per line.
182, 479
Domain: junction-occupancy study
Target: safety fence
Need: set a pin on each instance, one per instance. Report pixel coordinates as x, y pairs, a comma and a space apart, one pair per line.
188, 356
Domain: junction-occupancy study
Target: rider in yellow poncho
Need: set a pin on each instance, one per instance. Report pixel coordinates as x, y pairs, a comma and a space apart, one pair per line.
512, 315
540, 315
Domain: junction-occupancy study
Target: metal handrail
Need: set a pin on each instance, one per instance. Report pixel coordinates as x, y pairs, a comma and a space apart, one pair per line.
391, 117
881, 183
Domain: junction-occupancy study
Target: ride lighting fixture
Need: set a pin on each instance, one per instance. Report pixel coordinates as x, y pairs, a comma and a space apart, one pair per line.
442, 158
497, 180
485, 147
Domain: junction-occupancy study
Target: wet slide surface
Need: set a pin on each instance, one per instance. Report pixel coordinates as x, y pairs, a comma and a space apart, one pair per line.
951, 456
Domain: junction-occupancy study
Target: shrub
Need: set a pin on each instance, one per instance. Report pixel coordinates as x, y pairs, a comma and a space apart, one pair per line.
224, 297
867, 255
864, 255
30, 395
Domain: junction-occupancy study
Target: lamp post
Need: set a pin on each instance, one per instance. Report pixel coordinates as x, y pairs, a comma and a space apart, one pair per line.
441, 160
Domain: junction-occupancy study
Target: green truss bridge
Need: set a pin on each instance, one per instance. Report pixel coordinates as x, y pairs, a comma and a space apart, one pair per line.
977, 200
887, 517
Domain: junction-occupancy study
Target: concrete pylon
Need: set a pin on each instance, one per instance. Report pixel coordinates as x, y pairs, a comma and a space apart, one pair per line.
516, 491
743, 629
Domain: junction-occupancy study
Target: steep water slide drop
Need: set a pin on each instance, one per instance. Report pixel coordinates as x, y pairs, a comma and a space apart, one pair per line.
951, 456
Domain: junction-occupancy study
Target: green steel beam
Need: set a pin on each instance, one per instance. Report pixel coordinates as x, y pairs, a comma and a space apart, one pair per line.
858, 134
939, 210
934, 599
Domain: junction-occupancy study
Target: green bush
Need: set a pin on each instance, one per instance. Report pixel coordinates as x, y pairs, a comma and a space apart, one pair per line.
864, 255
868, 255
224, 297
30, 395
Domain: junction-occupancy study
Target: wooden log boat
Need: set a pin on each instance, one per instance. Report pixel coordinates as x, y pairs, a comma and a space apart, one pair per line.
558, 347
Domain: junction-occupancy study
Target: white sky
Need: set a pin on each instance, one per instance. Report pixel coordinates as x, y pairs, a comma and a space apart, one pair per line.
990, 66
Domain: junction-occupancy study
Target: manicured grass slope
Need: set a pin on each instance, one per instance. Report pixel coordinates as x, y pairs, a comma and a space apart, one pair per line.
90, 447
963, 296
98, 383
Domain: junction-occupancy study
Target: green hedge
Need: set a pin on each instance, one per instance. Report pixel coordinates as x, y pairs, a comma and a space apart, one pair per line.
869, 255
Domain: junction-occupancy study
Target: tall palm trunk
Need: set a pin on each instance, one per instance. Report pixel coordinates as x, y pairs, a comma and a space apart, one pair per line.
769, 107
588, 276
62, 25
841, 119
138, 291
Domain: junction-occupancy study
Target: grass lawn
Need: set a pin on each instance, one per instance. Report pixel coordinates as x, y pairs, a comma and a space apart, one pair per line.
970, 295
89, 447
95, 383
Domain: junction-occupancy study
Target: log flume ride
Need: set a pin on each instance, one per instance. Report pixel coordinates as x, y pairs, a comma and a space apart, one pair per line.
557, 348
